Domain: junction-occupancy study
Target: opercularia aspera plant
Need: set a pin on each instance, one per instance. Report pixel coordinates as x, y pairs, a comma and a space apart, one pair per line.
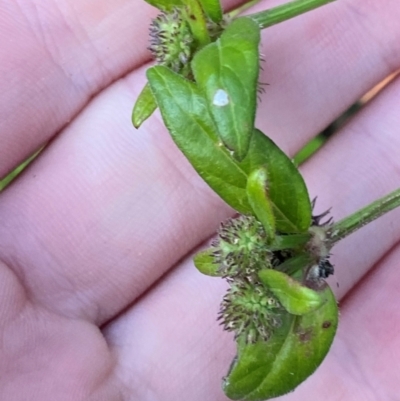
274, 253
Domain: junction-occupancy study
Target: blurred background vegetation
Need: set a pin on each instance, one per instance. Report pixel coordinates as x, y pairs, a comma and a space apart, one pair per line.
10, 177
311, 147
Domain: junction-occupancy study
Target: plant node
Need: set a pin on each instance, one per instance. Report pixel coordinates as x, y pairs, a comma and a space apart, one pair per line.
215, 29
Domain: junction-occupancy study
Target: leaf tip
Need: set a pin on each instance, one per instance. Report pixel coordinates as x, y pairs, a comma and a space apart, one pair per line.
144, 107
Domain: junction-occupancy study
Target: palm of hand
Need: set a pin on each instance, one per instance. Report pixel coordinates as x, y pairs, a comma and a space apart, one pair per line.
97, 302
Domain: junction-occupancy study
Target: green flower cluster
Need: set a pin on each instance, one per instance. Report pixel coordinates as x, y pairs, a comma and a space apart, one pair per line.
250, 311
171, 40
240, 251
240, 248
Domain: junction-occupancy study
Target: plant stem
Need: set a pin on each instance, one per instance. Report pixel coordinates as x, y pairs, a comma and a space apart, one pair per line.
359, 219
286, 11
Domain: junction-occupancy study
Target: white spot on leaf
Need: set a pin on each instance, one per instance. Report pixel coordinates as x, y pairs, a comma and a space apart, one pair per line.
220, 98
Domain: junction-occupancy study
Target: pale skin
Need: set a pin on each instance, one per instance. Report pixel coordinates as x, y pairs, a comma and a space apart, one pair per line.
99, 299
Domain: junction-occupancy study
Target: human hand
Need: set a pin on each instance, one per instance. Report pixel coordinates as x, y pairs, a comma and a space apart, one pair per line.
99, 298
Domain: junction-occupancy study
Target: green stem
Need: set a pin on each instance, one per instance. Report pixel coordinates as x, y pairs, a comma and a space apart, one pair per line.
359, 219
286, 11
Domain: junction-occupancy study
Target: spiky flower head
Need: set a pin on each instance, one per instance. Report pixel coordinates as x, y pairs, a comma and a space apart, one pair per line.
251, 311
171, 40
241, 248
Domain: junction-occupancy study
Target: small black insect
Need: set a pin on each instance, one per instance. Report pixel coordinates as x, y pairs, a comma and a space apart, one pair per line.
320, 271
325, 268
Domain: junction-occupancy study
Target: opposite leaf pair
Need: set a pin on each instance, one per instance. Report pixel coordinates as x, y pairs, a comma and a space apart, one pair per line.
212, 122
284, 325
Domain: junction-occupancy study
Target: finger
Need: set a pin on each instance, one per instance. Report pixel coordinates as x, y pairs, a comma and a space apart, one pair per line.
184, 352
170, 345
60, 55
45, 356
355, 168
364, 357
71, 57
104, 211
319, 64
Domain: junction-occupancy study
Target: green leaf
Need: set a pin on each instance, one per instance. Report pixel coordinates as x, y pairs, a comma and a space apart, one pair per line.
269, 369
188, 120
197, 22
144, 107
286, 187
186, 115
204, 262
257, 192
290, 241
227, 72
213, 9
296, 298
165, 5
